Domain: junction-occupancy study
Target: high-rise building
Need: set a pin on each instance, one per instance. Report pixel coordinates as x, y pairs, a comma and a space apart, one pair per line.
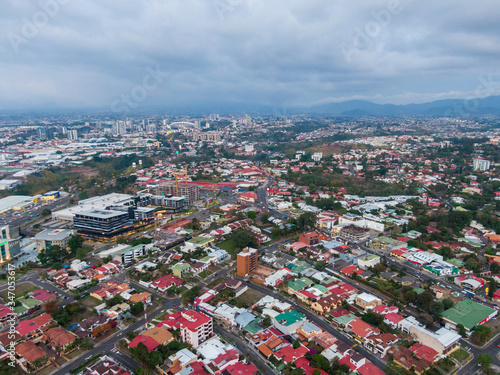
42, 133
480, 164
246, 261
73, 135
190, 192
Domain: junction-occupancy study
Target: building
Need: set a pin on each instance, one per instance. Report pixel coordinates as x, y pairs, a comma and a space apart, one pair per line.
102, 223
468, 313
309, 239
181, 268
205, 136
443, 340
354, 233
9, 243
73, 135
368, 261
317, 156
246, 261
248, 197
480, 164
190, 192
289, 321
195, 327
367, 301
55, 237
9, 184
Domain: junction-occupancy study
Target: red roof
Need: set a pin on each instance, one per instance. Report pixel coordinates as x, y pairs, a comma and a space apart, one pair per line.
361, 328
424, 352
189, 319
394, 318
149, 342
239, 368
289, 354
303, 363
25, 327
350, 270
5, 310
370, 369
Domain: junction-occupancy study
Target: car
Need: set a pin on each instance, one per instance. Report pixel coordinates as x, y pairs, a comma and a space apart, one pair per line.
498, 345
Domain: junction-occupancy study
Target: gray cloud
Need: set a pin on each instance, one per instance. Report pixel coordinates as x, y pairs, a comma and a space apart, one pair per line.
281, 52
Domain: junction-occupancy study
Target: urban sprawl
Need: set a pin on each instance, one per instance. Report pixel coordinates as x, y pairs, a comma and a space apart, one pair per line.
243, 244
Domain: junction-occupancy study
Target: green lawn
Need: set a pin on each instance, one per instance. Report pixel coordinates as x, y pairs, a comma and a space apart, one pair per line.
229, 246
460, 355
205, 274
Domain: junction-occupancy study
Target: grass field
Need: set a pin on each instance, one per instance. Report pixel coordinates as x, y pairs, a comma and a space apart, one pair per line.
250, 297
460, 355
205, 274
229, 246
19, 290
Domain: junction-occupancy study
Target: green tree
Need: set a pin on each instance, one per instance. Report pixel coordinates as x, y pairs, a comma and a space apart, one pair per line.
75, 242
137, 308
484, 360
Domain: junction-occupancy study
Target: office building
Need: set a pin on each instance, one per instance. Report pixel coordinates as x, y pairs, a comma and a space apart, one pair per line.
9, 243
56, 237
246, 261
102, 223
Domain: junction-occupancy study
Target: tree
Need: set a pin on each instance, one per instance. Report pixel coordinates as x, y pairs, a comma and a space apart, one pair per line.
51, 306
75, 242
495, 267
484, 360
46, 212
243, 238
410, 296
252, 215
81, 253
296, 344
137, 308
83, 195
461, 330
307, 219
448, 303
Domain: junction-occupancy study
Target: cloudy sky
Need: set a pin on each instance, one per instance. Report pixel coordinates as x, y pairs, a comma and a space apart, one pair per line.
189, 53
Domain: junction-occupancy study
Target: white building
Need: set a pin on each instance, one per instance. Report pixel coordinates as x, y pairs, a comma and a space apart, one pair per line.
317, 156
368, 261
480, 164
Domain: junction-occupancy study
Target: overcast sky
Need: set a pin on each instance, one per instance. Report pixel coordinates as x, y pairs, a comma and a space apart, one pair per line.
88, 54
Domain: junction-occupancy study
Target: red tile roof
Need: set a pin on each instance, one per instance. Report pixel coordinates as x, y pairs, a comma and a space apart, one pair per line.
149, 342
370, 369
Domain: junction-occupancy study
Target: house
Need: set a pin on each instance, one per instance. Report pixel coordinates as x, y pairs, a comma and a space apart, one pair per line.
367, 301
161, 335
308, 330
380, 343
181, 268
405, 358
351, 270
359, 329
288, 354
369, 369
288, 321
165, 282
59, 339
144, 297
310, 239
150, 343
31, 356
6, 315
393, 319
424, 352
324, 305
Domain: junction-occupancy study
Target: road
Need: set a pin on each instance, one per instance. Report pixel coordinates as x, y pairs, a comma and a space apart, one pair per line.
244, 348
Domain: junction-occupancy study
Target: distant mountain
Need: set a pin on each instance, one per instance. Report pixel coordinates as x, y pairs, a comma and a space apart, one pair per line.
447, 107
